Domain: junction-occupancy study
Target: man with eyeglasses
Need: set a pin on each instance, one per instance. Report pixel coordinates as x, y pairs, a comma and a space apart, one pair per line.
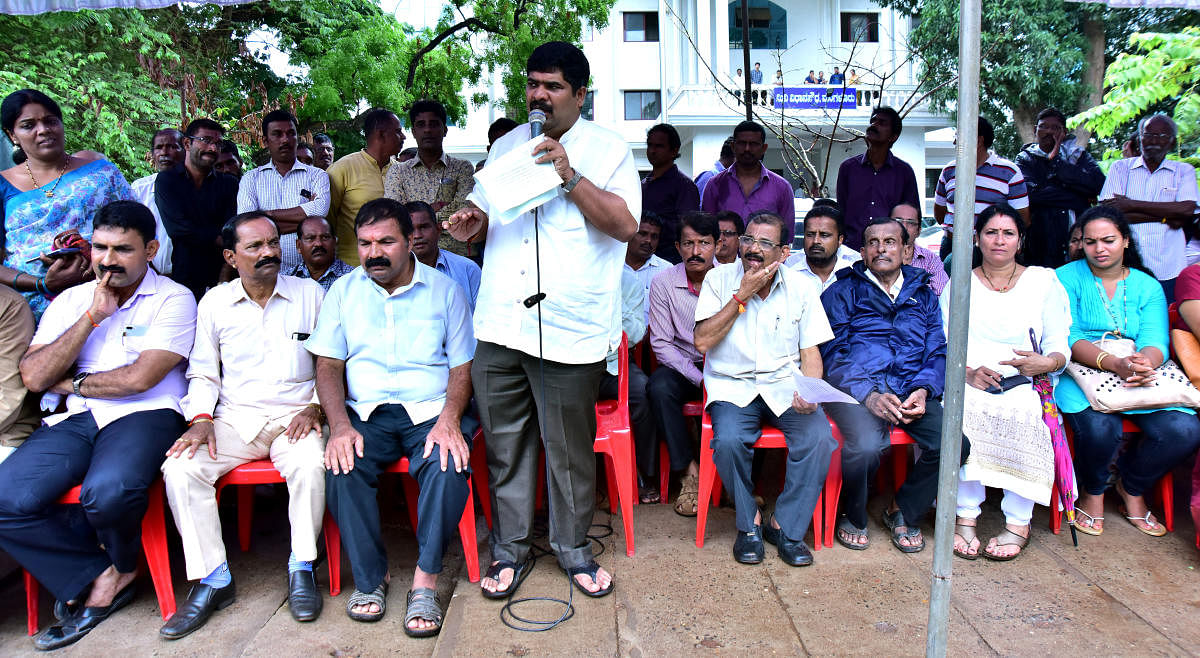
732, 227
916, 255
1063, 179
194, 201
755, 321
824, 254
672, 306
1159, 198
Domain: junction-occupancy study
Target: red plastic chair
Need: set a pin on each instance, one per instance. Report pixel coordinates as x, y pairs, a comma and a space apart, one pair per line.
693, 409
154, 543
1166, 488
262, 471
466, 526
900, 440
825, 513
614, 438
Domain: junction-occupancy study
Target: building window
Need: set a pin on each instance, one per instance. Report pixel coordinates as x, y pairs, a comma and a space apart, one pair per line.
768, 25
642, 105
641, 25
588, 111
860, 27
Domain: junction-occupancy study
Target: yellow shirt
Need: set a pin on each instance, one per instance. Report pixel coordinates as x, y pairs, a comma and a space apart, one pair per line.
353, 180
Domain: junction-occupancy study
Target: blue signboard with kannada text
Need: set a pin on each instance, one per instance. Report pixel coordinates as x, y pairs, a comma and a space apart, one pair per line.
815, 98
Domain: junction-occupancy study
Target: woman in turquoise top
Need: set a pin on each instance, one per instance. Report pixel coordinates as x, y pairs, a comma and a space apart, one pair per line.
48, 193
1110, 293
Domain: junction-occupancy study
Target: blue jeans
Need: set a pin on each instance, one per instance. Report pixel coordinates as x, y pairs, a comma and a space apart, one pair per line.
810, 444
388, 435
1167, 438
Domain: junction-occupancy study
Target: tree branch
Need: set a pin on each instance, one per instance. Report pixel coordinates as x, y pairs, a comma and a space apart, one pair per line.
446, 34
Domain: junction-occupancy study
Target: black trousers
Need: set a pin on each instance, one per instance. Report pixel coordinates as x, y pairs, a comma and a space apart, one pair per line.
669, 390
67, 546
645, 434
388, 435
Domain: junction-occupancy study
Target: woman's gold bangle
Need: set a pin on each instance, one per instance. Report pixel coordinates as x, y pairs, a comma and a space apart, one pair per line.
1100, 360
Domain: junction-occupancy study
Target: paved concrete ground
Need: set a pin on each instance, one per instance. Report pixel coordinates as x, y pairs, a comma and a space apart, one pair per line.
1120, 594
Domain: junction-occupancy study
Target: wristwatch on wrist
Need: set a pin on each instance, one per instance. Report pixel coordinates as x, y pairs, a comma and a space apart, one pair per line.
77, 381
570, 185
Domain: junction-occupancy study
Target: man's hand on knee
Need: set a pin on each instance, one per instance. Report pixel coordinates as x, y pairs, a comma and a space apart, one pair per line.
200, 433
451, 444
344, 444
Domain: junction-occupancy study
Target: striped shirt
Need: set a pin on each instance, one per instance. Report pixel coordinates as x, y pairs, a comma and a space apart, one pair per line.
263, 188
672, 307
1162, 248
996, 180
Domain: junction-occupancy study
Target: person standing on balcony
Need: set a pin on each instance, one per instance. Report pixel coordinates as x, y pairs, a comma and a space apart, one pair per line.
820, 77
837, 78
811, 79
667, 192
756, 74
870, 184
749, 186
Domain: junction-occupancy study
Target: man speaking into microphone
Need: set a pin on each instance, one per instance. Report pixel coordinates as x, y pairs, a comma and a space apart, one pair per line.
547, 315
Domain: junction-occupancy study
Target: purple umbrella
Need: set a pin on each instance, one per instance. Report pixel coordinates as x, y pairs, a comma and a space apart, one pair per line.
1064, 467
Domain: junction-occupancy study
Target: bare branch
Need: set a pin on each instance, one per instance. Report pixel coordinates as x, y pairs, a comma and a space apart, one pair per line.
445, 34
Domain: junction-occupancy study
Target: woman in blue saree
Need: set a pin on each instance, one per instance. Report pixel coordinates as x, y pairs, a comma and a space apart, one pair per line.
49, 194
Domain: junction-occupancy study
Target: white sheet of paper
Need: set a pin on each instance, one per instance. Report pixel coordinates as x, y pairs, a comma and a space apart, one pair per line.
514, 184
817, 391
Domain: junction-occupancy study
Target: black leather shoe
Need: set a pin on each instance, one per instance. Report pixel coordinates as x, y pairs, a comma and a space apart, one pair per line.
201, 602
304, 599
795, 553
748, 547
81, 622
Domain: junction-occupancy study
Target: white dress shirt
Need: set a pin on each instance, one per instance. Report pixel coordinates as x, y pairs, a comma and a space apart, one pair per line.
1162, 248
646, 273
249, 366
263, 188
845, 258
399, 347
580, 264
143, 191
762, 349
161, 315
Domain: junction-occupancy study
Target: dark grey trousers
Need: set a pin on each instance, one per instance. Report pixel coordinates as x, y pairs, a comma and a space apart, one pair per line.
509, 391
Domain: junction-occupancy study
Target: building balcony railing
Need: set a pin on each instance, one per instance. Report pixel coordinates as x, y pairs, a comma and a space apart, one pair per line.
696, 104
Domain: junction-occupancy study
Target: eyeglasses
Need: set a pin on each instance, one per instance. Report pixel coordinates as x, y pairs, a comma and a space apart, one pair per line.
905, 220
747, 242
728, 234
211, 141
688, 244
1157, 136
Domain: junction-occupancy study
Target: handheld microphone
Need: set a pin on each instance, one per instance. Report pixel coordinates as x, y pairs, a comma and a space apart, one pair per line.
536, 119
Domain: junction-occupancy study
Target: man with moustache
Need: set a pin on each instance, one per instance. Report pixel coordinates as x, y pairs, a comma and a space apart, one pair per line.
318, 249
394, 349
116, 347
322, 151
732, 227
1159, 198
640, 259
889, 353
870, 184
755, 321
553, 336
672, 303
916, 255
749, 186
251, 395
285, 189
426, 229
166, 151
230, 160
824, 254
194, 202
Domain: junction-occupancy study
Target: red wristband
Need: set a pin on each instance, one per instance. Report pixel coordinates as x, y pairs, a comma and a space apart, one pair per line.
740, 303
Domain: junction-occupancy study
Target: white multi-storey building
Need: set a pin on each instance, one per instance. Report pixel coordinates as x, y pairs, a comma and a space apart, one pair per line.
674, 61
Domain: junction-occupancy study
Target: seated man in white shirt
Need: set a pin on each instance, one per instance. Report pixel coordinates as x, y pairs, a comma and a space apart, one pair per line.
394, 346
115, 347
824, 254
755, 322
640, 257
251, 395
166, 151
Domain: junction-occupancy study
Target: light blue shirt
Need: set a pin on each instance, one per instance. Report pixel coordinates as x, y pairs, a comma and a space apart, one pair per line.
398, 348
633, 305
463, 270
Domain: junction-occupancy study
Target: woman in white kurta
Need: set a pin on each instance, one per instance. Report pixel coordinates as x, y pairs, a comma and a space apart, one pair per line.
1009, 442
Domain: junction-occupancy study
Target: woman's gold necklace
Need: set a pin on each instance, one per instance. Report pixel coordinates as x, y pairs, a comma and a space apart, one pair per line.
993, 286
49, 192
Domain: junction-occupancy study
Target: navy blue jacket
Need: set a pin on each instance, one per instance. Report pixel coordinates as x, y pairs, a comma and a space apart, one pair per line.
881, 345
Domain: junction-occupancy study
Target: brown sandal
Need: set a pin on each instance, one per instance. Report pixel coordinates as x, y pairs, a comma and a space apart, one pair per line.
689, 495
1007, 538
967, 533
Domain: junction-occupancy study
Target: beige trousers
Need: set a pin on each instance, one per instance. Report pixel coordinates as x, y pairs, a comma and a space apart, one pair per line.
191, 491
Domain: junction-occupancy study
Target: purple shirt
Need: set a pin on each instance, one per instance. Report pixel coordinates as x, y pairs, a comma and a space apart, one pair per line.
673, 322
929, 261
772, 192
669, 196
864, 193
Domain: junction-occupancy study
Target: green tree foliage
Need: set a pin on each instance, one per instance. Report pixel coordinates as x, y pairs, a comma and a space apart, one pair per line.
1162, 71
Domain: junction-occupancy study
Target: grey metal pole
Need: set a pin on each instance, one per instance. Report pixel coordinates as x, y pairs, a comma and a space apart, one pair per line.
746, 59
956, 330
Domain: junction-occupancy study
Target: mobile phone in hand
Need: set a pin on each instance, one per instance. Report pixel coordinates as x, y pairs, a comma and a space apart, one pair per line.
56, 254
